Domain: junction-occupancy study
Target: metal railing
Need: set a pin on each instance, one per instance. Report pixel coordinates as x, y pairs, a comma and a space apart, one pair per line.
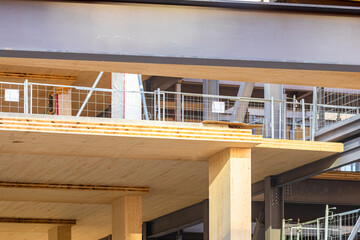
341, 226
271, 117
328, 100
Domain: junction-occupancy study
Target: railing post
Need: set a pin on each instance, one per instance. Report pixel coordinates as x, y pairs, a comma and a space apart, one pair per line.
326, 233
272, 123
314, 114
26, 96
293, 125
317, 229
31, 99
182, 107
285, 119
280, 119
303, 118
164, 106
159, 102
155, 105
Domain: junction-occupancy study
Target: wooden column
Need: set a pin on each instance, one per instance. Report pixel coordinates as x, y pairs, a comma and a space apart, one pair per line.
64, 102
230, 195
127, 218
60, 233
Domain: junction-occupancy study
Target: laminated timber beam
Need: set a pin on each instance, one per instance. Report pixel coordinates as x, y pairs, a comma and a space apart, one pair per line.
38, 221
66, 193
80, 187
255, 46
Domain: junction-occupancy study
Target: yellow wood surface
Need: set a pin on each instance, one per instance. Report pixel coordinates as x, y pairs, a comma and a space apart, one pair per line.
169, 158
127, 218
230, 195
60, 233
334, 79
339, 175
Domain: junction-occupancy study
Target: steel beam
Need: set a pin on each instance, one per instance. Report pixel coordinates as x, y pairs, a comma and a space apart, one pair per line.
351, 154
316, 191
274, 209
260, 35
178, 220
339, 131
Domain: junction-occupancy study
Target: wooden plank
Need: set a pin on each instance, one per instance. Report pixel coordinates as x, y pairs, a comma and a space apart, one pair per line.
127, 218
335, 79
232, 124
38, 221
339, 175
73, 187
33, 76
230, 194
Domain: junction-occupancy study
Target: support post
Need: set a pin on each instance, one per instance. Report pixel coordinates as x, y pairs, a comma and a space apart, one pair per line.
60, 233
64, 101
230, 195
274, 91
127, 218
274, 210
206, 219
178, 102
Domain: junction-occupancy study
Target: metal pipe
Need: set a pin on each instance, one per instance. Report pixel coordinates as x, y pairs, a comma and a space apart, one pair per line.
355, 230
163, 106
280, 119
182, 107
89, 94
326, 222
155, 115
31, 98
272, 123
159, 102
26, 96
303, 118
314, 116
293, 125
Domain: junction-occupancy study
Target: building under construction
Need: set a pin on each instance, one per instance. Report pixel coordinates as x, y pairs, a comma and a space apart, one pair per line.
179, 120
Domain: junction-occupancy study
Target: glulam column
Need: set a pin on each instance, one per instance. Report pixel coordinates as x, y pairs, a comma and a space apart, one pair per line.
127, 218
60, 233
230, 195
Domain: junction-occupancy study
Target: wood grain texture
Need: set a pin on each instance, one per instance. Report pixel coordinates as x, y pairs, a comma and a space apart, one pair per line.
60, 233
38, 221
339, 175
127, 218
79, 187
262, 75
230, 194
160, 157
